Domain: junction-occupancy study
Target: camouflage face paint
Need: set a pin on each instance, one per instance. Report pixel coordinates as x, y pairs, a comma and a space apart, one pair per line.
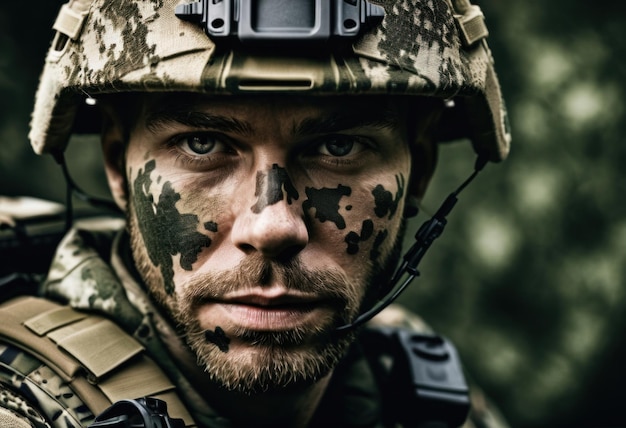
378, 241
271, 188
326, 203
218, 338
385, 201
165, 231
353, 239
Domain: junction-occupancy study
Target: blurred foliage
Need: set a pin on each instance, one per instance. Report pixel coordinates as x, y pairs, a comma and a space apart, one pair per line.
529, 277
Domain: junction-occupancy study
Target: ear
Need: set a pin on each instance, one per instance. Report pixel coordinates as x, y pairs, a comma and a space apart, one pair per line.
114, 153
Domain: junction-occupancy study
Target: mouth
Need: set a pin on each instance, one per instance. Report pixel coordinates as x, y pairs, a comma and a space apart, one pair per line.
265, 311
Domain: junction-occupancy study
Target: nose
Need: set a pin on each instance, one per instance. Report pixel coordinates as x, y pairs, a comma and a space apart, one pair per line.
278, 231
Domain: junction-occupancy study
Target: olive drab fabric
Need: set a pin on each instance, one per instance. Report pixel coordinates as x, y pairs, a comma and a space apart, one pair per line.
432, 48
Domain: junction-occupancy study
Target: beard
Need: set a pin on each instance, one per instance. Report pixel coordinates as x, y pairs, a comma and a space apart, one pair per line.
268, 360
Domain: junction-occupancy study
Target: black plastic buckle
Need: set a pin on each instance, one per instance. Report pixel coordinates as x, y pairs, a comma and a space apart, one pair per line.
425, 383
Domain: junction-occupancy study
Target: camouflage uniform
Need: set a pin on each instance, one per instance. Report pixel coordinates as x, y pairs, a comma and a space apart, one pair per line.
89, 273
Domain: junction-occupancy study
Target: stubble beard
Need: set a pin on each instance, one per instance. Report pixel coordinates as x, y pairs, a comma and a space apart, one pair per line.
270, 361
276, 360
266, 361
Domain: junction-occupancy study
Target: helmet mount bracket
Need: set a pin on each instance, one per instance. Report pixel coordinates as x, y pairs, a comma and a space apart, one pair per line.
281, 22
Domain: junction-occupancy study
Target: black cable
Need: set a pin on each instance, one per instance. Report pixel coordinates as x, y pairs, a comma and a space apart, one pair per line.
425, 236
72, 189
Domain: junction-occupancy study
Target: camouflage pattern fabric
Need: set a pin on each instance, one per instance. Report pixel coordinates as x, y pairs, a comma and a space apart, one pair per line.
108, 46
88, 273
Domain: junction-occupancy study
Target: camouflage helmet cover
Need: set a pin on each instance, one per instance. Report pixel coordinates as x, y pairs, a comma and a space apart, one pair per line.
423, 47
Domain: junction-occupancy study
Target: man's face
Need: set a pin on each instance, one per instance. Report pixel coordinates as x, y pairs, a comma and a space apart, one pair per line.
259, 224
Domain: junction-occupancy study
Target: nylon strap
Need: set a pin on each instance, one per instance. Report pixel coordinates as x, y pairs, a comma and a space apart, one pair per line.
101, 362
71, 18
470, 21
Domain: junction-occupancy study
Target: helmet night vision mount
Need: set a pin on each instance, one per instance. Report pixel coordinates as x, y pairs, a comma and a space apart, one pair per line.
284, 21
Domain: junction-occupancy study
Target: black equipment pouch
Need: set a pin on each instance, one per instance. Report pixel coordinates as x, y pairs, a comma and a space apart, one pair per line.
421, 377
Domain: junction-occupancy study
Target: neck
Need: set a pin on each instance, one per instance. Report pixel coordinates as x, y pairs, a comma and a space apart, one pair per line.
292, 408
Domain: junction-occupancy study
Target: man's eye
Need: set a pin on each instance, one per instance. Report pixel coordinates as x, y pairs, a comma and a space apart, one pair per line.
199, 144
338, 145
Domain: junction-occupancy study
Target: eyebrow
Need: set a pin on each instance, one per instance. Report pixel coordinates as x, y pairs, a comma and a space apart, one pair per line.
163, 117
339, 121
336, 121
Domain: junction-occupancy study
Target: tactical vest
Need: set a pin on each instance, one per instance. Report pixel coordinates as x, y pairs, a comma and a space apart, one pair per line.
98, 360
420, 377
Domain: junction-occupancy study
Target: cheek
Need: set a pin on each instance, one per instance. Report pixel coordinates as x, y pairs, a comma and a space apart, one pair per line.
173, 235
368, 236
361, 220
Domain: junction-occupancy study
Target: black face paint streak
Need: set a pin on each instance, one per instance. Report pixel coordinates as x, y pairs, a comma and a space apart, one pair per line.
353, 239
218, 338
271, 188
385, 201
378, 241
326, 203
165, 231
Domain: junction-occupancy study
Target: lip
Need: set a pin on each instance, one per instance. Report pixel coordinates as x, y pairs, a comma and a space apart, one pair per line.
265, 311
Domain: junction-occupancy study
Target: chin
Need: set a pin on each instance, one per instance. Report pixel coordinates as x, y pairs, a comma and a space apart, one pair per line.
259, 362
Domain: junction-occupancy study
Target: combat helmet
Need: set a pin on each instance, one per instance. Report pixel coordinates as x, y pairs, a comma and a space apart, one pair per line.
433, 48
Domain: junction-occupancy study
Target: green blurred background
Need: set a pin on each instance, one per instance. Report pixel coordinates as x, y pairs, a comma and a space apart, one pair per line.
528, 279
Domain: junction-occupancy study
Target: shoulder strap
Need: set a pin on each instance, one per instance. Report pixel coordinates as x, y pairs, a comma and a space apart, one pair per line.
420, 375
99, 361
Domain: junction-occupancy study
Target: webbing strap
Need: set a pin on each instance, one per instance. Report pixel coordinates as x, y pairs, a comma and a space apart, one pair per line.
71, 18
101, 347
470, 21
100, 361
53, 319
12, 329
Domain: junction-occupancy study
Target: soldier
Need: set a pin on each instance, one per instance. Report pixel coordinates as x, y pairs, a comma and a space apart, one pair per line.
265, 157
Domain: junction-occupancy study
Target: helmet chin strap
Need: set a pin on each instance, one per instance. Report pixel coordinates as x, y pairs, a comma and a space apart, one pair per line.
425, 236
72, 189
